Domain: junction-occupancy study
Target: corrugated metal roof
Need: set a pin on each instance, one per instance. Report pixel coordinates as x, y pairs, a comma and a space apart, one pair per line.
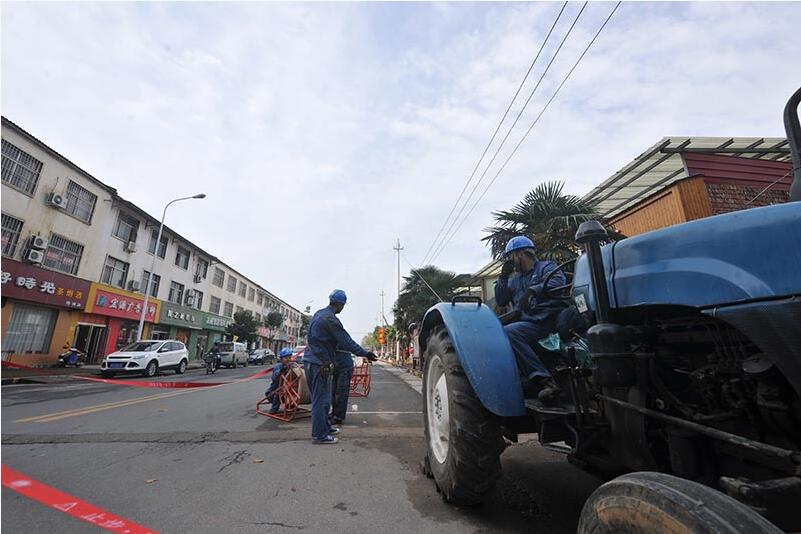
662, 164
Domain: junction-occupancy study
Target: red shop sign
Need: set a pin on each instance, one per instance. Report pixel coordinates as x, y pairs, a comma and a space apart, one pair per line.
28, 282
107, 303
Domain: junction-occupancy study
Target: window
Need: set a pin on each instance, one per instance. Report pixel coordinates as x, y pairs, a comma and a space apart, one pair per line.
154, 285
214, 305
115, 272
218, 278
176, 293
258, 317
62, 254
251, 294
80, 202
228, 311
243, 289
126, 227
162, 246
182, 258
30, 329
198, 300
239, 309
11, 230
202, 268
260, 300
231, 284
20, 169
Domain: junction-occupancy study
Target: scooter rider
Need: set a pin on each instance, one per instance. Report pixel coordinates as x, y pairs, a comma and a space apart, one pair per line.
326, 333
279, 369
524, 290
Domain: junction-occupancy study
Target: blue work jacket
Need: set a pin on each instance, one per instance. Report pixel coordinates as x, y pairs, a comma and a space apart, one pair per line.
511, 290
326, 333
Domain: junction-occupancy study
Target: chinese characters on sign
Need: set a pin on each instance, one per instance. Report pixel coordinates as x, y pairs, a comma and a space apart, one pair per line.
217, 321
188, 317
108, 303
27, 282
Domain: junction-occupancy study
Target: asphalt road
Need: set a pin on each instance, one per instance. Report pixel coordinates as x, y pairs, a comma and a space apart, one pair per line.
202, 460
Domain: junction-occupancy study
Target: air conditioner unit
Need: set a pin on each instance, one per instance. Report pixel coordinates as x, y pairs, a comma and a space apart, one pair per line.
130, 246
37, 242
133, 285
198, 278
34, 256
190, 297
56, 200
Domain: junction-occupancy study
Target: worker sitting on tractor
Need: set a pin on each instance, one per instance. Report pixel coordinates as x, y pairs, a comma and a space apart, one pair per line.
280, 368
521, 285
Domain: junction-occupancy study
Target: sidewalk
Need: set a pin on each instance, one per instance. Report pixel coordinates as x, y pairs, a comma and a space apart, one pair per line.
11, 375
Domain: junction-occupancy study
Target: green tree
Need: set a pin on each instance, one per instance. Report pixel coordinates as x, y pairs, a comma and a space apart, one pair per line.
304, 324
275, 319
416, 297
244, 327
547, 216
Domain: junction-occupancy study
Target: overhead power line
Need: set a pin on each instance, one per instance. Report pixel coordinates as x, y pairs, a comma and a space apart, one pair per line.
536, 120
494, 134
509, 131
417, 272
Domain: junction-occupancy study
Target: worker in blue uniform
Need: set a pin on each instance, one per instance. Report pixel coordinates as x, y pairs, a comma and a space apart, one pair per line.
283, 366
521, 284
343, 372
326, 334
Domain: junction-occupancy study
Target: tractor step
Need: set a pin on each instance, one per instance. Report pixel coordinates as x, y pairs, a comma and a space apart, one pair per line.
537, 406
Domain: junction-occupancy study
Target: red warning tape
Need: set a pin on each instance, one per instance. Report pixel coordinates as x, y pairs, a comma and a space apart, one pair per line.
70, 505
176, 385
13, 365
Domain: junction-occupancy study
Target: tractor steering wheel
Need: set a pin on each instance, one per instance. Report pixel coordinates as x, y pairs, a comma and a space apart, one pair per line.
563, 291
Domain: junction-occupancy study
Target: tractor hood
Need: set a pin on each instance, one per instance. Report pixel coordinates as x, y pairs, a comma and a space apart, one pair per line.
743, 256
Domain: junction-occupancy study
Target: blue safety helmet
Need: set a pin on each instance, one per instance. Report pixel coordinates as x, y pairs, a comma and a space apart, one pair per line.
285, 352
338, 295
517, 243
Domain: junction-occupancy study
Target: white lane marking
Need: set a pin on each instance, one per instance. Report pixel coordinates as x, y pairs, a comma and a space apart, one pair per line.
387, 413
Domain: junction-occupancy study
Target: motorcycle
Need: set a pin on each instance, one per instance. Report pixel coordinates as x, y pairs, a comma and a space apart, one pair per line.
212, 362
72, 357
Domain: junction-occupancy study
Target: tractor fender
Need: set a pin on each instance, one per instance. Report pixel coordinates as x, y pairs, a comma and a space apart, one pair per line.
484, 352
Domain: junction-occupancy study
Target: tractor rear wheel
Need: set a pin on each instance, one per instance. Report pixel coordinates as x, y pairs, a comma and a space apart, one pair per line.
464, 441
655, 502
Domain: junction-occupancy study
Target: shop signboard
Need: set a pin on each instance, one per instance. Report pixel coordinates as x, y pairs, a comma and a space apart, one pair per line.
263, 332
28, 282
215, 322
180, 316
122, 304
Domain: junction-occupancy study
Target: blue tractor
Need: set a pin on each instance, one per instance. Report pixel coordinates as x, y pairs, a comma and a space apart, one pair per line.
681, 373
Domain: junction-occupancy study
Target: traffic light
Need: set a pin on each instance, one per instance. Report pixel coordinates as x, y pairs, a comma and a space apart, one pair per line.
381, 335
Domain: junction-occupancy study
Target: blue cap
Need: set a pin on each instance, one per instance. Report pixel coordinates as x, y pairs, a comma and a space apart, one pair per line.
338, 295
517, 243
286, 351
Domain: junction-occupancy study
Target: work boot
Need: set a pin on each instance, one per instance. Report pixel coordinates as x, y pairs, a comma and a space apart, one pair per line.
328, 440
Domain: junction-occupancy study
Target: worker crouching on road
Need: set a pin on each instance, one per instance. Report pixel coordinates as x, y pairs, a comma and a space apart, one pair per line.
280, 368
343, 372
521, 285
326, 334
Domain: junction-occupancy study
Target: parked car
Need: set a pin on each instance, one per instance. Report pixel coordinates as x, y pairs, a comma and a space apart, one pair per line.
147, 357
232, 353
261, 357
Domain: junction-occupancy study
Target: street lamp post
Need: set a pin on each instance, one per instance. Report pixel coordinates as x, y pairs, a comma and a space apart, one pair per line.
153, 263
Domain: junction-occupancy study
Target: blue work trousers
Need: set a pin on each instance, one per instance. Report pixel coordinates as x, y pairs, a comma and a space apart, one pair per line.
342, 376
522, 336
320, 390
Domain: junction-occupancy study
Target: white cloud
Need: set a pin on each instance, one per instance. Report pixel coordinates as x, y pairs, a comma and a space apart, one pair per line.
335, 128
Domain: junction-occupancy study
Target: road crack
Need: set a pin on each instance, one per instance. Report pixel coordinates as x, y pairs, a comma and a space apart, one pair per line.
277, 524
236, 458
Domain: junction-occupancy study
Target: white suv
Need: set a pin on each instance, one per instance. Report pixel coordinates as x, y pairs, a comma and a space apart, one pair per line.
147, 357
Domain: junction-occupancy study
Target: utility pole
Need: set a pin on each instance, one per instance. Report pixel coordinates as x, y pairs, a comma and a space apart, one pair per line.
382, 319
397, 248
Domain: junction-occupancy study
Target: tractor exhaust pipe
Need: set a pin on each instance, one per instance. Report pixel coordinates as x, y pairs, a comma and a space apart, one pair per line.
793, 130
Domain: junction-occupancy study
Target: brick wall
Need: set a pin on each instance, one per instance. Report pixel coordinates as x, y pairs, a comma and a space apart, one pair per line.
724, 198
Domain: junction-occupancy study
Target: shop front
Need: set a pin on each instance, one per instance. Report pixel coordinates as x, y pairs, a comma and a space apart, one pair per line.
119, 312
214, 327
185, 325
40, 309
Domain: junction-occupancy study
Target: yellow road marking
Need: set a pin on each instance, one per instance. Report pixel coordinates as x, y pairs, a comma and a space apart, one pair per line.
46, 418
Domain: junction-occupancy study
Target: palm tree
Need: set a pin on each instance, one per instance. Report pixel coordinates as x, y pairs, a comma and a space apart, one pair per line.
416, 297
548, 217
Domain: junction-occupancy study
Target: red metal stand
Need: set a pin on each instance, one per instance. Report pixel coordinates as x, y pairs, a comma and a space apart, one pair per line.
360, 381
289, 392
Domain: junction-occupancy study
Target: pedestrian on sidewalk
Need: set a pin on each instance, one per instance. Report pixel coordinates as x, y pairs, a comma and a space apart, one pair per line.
326, 334
343, 372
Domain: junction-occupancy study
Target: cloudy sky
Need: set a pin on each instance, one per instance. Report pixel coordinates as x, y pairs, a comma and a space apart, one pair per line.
323, 132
